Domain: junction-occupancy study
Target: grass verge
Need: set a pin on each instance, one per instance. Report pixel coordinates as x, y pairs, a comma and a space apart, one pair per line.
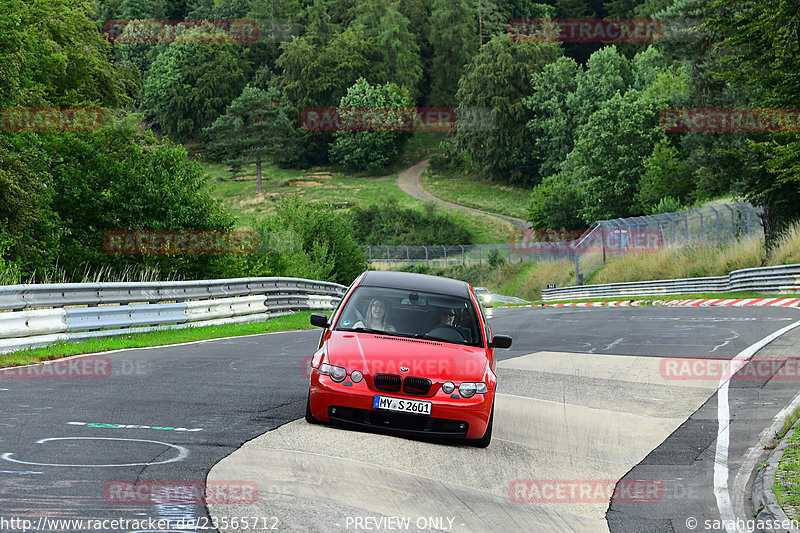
155, 338
786, 485
472, 192
711, 296
335, 188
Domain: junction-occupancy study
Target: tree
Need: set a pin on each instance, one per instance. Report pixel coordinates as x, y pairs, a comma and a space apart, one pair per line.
253, 129
453, 40
371, 149
498, 79
120, 178
553, 124
52, 54
664, 175
607, 73
555, 204
305, 240
190, 83
609, 152
758, 42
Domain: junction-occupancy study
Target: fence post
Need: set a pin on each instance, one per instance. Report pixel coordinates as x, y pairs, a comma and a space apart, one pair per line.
387, 255
686, 223
603, 237
702, 230
749, 227
427, 264
717, 217
408, 256
733, 220
577, 269
463, 257
480, 255
445, 254
369, 249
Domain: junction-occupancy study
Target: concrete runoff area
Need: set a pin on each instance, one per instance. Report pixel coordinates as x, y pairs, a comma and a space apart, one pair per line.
561, 418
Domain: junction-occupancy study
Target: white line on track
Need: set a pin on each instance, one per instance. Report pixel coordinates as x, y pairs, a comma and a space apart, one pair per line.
721, 472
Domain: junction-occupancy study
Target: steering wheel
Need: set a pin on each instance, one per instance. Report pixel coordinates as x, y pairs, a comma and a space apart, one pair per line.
446, 332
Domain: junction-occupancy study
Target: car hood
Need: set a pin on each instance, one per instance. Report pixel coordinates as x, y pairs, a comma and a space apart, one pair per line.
375, 354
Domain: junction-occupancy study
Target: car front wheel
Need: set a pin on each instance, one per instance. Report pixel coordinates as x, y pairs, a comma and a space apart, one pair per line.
310, 419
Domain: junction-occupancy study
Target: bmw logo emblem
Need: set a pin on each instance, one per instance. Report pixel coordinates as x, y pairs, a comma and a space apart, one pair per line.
403, 369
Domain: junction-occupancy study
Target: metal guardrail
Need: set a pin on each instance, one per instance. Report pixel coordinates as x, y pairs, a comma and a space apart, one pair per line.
768, 280
40, 315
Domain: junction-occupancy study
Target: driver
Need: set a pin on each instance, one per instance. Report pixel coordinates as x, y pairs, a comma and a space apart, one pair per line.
446, 317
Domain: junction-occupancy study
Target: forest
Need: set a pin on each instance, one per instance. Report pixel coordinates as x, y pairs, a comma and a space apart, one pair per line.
578, 123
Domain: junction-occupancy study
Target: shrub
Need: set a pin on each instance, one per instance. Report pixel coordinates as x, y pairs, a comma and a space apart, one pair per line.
307, 241
392, 225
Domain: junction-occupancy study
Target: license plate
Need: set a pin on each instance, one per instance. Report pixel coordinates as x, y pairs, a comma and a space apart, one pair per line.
402, 405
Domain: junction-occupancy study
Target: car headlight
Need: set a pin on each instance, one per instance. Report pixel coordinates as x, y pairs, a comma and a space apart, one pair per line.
356, 376
448, 387
336, 373
468, 389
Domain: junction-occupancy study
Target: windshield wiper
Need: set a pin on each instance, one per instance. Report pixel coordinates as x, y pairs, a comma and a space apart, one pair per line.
366, 330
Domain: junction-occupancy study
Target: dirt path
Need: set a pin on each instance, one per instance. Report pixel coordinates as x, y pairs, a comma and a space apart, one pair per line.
408, 181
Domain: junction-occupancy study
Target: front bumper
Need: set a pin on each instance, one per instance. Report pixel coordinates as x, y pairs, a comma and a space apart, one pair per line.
353, 405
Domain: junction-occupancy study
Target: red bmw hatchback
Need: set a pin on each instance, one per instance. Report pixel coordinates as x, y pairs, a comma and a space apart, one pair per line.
407, 353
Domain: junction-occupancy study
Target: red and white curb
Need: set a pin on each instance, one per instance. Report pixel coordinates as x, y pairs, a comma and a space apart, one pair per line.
702, 302
734, 302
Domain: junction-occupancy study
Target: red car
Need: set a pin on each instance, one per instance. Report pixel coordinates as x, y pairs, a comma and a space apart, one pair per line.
407, 353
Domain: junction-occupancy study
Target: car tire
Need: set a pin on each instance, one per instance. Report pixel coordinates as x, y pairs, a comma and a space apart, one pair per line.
484, 441
309, 418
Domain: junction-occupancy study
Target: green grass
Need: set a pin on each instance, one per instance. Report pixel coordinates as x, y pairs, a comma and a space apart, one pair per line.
155, 338
667, 297
787, 477
461, 189
331, 186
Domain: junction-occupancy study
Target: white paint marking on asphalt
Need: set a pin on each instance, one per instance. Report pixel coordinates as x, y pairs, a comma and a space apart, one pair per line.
721, 474
19, 473
752, 455
614, 343
183, 453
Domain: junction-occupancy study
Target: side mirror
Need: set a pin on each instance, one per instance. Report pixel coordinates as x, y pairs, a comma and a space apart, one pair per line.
319, 320
500, 341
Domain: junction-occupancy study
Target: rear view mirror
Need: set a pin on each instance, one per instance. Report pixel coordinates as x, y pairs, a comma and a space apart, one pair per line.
319, 320
500, 341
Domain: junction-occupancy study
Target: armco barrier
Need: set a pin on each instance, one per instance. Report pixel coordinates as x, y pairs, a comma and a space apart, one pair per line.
75, 311
767, 280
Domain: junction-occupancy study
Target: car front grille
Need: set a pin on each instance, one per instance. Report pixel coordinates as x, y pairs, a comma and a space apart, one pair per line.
388, 382
419, 386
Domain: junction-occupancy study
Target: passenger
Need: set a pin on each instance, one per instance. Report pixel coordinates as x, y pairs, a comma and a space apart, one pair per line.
376, 316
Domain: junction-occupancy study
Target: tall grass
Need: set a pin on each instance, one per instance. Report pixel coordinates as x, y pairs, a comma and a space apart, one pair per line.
787, 247
57, 274
686, 261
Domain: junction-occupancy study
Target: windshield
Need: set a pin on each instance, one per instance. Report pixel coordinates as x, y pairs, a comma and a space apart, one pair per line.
412, 314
